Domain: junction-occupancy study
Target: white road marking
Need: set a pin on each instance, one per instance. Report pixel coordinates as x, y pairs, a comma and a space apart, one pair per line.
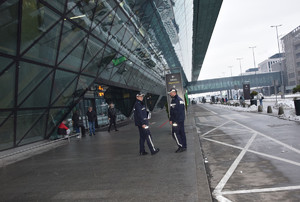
217, 191
216, 128
262, 190
255, 152
273, 139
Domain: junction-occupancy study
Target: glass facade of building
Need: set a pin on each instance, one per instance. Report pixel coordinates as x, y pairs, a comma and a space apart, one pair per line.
52, 53
52, 50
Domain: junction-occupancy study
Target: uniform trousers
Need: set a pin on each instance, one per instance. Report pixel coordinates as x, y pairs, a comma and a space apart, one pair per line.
145, 135
178, 134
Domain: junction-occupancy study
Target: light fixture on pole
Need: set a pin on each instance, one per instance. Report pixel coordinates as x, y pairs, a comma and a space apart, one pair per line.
230, 70
252, 47
281, 68
239, 59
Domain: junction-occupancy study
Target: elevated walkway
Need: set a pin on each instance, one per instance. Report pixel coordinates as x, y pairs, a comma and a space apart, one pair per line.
235, 82
107, 167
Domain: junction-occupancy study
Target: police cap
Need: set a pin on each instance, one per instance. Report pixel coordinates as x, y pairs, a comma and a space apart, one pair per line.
172, 90
140, 94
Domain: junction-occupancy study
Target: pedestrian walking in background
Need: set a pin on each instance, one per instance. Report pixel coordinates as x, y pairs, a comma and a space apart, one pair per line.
92, 117
77, 123
260, 97
242, 100
177, 116
112, 116
141, 121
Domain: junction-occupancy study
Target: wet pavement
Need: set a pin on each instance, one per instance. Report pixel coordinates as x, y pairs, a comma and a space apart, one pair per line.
234, 156
107, 167
249, 156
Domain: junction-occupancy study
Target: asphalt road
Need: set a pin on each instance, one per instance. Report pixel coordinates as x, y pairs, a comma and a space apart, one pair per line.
249, 156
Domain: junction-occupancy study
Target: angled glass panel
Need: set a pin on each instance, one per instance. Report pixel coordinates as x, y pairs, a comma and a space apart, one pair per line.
74, 59
83, 83
30, 75
59, 5
27, 119
94, 65
104, 59
67, 97
6, 131
94, 47
100, 12
36, 20
61, 81
7, 87
8, 27
82, 14
40, 97
71, 37
104, 27
45, 50
4, 62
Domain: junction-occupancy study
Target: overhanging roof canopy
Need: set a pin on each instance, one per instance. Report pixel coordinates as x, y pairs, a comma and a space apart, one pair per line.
205, 16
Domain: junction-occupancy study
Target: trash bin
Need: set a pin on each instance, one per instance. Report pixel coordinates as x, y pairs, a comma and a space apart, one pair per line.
297, 107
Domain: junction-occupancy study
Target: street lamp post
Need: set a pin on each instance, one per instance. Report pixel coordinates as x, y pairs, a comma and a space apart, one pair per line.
240, 65
252, 47
281, 68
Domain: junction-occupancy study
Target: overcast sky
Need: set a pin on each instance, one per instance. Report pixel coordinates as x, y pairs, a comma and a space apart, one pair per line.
245, 23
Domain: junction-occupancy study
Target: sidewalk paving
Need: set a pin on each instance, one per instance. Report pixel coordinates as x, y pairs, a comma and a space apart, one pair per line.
107, 167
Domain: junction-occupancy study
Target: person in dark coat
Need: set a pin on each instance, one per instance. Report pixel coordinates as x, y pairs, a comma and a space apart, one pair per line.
141, 121
78, 123
92, 117
112, 116
177, 116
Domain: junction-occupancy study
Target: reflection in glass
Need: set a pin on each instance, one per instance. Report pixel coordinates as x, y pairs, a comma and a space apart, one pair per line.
40, 96
26, 120
4, 62
30, 75
66, 98
36, 20
7, 85
6, 131
8, 27
61, 81
45, 50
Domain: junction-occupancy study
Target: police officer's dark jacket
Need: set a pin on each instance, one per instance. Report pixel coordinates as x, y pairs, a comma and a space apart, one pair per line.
140, 114
177, 113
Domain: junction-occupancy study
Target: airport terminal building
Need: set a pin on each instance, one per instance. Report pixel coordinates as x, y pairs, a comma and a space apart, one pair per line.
58, 56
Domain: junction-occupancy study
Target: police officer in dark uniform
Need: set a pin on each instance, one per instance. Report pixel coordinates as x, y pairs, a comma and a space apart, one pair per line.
141, 121
177, 116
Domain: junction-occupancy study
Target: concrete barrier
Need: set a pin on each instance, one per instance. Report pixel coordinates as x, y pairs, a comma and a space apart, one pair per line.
280, 111
269, 110
260, 109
